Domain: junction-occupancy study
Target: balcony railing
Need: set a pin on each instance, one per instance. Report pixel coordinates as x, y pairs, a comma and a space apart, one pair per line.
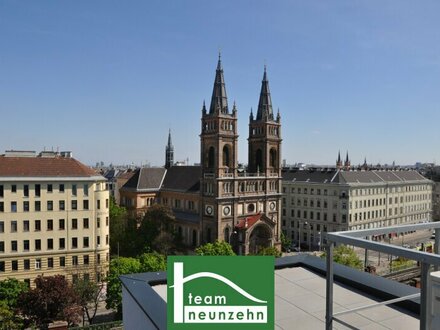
360, 238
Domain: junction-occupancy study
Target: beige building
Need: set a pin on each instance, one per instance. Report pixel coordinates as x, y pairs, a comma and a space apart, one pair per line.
325, 200
54, 217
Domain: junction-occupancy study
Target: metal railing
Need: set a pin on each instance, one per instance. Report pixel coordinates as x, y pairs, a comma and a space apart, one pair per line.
359, 238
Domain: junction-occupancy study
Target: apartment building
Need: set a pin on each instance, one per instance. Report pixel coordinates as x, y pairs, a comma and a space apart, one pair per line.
326, 200
54, 217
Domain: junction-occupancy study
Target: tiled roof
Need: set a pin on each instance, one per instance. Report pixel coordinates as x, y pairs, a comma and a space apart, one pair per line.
183, 178
146, 178
249, 221
43, 167
316, 176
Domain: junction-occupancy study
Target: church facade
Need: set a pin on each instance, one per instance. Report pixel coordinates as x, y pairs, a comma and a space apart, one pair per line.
219, 200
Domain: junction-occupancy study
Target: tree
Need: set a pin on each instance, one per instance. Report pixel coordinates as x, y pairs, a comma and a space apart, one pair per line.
285, 242
89, 295
147, 262
218, 248
10, 290
344, 255
269, 251
8, 318
52, 299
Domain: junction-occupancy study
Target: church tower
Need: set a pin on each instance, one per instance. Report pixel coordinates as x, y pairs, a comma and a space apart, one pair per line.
339, 161
218, 155
169, 152
240, 206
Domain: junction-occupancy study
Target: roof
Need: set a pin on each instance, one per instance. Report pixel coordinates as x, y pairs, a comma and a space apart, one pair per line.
187, 216
249, 221
43, 167
183, 178
299, 297
146, 178
348, 177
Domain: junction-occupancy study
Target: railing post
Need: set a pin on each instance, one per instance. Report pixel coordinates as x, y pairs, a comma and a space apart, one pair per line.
425, 314
437, 245
329, 287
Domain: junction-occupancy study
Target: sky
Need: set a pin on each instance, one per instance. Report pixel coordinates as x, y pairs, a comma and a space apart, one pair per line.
107, 79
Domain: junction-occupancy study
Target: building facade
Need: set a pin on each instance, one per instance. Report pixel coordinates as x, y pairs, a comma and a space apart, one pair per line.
325, 200
54, 217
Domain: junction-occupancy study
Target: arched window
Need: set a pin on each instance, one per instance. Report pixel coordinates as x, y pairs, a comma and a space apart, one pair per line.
211, 157
259, 160
208, 235
226, 156
273, 158
227, 234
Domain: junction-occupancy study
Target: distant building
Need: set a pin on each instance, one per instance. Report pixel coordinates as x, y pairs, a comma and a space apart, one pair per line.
169, 152
54, 217
318, 201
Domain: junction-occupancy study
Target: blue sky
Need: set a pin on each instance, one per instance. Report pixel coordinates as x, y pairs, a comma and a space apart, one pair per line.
106, 79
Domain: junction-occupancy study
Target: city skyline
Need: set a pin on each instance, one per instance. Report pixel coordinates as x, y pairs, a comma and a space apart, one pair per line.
108, 81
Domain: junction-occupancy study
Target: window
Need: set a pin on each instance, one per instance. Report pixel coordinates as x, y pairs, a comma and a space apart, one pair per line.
62, 205
50, 243
1, 191
98, 204
74, 205
13, 226
26, 264
14, 246
106, 239
38, 264
50, 224
74, 192
62, 261
14, 188
37, 190
86, 190
106, 221
86, 223
98, 240
50, 205
37, 206
74, 242
37, 225
13, 206
2, 226
61, 187
26, 206
26, 190
86, 260
74, 223
106, 203
2, 207
85, 204
62, 243
85, 242
2, 266
61, 224
98, 258
37, 244
14, 265
98, 222
26, 245
75, 260
49, 188
49, 262
2, 246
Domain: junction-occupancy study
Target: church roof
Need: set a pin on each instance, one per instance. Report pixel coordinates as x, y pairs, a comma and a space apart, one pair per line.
265, 111
146, 179
183, 178
219, 100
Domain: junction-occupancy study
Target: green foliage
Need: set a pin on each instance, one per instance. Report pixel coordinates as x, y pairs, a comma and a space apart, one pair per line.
89, 295
8, 318
218, 248
147, 262
10, 290
269, 251
401, 263
285, 242
345, 255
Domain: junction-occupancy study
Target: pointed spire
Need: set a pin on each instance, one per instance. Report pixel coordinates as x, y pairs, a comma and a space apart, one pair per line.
204, 108
234, 109
251, 116
278, 115
346, 158
170, 144
339, 156
169, 152
265, 111
219, 100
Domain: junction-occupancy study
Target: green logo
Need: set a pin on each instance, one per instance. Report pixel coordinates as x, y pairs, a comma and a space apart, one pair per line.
220, 293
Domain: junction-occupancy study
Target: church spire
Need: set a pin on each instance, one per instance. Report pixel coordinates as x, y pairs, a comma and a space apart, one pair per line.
265, 111
219, 100
169, 152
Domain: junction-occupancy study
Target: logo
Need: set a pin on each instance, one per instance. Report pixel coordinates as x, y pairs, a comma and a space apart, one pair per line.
220, 293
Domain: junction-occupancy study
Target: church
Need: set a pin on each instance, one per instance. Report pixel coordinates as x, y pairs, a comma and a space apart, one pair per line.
217, 200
